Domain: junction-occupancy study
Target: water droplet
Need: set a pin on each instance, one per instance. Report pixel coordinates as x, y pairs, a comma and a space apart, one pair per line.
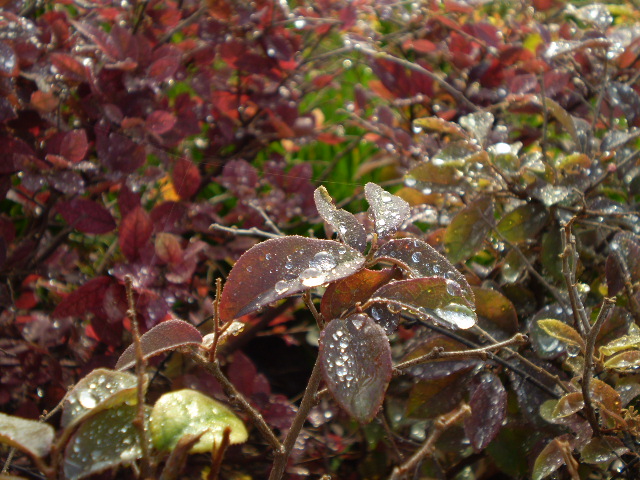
267, 256
312, 277
458, 315
323, 261
453, 288
282, 286
341, 371
416, 257
87, 399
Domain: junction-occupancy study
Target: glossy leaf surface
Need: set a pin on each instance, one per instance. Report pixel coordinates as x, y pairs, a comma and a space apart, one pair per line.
281, 267
434, 298
164, 337
550, 459
29, 436
488, 410
349, 229
389, 211
603, 450
468, 229
189, 412
562, 332
356, 364
100, 390
106, 440
495, 311
523, 223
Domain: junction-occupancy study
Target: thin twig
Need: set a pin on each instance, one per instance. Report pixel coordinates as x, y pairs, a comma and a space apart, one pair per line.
569, 264
306, 296
441, 424
182, 24
265, 217
587, 373
141, 365
482, 352
236, 397
218, 454
308, 401
545, 119
216, 321
253, 231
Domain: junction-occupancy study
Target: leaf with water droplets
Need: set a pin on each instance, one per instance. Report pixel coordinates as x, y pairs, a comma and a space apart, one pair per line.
349, 229
420, 259
568, 405
625, 362
165, 336
437, 124
356, 364
523, 223
430, 178
478, 124
189, 412
99, 390
574, 126
551, 458
358, 287
545, 345
468, 229
31, 437
432, 298
488, 410
389, 211
282, 267
563, 332
603, 450
495, 312
104, 441
431, 398
438, 368
458, 154
595, 14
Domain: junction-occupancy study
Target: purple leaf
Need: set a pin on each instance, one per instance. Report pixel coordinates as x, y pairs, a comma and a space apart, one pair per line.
160, 122
163, 337
356, 364
488, 410
349, 229
389, 212
281, 267
135, 231
74, 145
87, 298
87, 216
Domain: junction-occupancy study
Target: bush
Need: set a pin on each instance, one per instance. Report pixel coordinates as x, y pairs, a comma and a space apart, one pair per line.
149, 151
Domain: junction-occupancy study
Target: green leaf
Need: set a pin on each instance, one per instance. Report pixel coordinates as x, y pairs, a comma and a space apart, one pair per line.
625, 362
563, 332
189, 412
568, 405
104, 441
281, 267
603, 450
466, 232
100, 390
550, 459
32, 437
625, 342
523, 223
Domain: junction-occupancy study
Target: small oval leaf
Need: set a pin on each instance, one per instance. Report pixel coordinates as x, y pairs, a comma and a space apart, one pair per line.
488, 410
563, 332
603, 450
163, 337
523, 223
550, 459
189, 412
29, 436
389, 211
625, 362
99, 390
465, 234
104, 441
568, 405
349, 229
356, 364
282, 267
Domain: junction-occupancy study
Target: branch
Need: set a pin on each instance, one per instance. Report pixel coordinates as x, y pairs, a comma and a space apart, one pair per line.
569, 271
441, 424
607, 306
240, 231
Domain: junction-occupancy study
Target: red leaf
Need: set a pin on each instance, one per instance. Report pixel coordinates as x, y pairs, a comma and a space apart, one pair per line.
186, 178
488, 409
168, 248
68, 66
74, 145
165, 336
160, 122
87, 216
135, 231
163, 68
87, 298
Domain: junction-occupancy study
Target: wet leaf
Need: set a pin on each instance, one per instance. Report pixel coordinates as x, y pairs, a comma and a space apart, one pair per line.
87, 216
625, 342
523, 223
625, 362
457, 154
595, 14
551, 458
562, 332
186, 178
479, 124
356, 288
165, 336
437, 124
420, 259
550, 254
356, 364
189, 412
160, 121
488, 410
86, 298
603, 450
495, 308
439, 367
606, 395
349, 229
466, 232
563, 117
510, 449
100, 390
432, 298
29, 436
135, 231
74, 145
568, 405
431, 398
544, 344
388, 211
624, 97
430, 178
281, 267
104, 441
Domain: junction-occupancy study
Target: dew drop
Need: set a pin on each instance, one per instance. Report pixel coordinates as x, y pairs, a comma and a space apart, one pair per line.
282, 286
416, 257
87, 399
458, 315
312, 277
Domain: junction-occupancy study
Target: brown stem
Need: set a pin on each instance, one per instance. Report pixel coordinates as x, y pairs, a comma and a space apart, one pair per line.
141, 366
240, 231
587, 373
308, 401
441, 424
306, 296
218, 454
569, 271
